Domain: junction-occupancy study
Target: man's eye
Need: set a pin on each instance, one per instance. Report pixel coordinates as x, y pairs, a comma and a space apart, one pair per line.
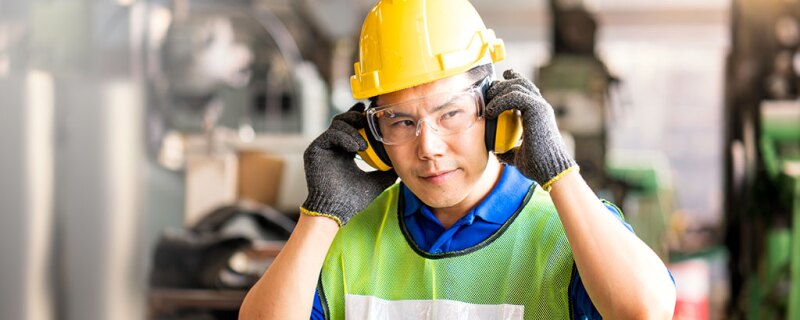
403, 123
451, 114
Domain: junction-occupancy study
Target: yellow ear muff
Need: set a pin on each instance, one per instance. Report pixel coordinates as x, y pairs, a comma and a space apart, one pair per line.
370, 156
508, 131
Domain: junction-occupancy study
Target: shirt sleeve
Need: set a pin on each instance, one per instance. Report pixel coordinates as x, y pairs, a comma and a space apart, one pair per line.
581, 303
617, 214
317, 313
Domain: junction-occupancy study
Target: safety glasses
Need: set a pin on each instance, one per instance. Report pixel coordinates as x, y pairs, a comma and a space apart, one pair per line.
443, 113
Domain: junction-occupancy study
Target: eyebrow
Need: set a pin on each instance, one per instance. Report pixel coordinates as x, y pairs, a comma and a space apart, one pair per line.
443, 105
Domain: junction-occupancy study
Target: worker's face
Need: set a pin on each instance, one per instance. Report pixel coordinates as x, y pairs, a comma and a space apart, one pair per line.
441, 169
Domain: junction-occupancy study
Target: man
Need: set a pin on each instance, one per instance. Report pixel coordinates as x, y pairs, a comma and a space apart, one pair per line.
462, 235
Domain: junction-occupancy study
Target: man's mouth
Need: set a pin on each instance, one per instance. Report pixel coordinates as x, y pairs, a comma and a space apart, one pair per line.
437, 177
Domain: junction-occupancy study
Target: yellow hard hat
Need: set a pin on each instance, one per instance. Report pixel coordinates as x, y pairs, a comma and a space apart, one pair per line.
405, 43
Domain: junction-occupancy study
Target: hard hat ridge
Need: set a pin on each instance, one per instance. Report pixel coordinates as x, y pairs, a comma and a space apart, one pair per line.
405, 43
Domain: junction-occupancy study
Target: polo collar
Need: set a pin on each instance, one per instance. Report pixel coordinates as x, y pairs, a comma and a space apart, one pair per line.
497, 207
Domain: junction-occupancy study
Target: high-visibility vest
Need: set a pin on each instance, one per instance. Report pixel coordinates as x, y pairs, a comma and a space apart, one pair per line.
374, 270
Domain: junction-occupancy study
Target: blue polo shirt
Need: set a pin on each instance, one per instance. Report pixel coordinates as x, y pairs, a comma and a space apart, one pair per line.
477, 225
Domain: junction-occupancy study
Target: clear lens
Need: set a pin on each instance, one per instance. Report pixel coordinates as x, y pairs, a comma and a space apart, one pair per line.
445, 114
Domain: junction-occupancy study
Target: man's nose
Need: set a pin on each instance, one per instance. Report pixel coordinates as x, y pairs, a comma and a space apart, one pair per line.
430, 144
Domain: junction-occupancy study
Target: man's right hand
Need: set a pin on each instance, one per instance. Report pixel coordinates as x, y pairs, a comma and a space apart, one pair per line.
337, 188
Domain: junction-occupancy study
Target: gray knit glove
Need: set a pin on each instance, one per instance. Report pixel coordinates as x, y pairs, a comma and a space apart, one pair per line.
542, 155
337, 188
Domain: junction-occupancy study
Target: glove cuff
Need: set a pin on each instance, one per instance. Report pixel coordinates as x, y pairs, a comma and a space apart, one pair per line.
319, 214
550, 166
549, 184
318, 204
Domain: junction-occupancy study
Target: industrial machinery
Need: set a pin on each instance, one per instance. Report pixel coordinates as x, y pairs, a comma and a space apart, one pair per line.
220, 77
773, 289
763, 160
235, 65
577, 84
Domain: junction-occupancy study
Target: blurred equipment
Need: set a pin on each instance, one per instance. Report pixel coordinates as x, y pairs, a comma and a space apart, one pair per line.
579, 86
228, 249
205, 256
577, 83
763, 162
260, 176
774, 289
644, 178
234, 62
694, 291
26, 196
210, 182
101, 100
214, 180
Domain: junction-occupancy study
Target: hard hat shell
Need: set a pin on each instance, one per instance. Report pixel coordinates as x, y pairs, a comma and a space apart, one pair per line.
405, 43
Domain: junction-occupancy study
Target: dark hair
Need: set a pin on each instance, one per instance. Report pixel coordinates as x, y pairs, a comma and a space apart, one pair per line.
475, 74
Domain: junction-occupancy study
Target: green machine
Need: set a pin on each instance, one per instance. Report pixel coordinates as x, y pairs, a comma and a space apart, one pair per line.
774, 288
762, 189
648, 195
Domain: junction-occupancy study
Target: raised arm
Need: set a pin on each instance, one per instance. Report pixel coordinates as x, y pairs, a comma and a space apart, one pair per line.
622, 275
286, 290
624, 278
337, 190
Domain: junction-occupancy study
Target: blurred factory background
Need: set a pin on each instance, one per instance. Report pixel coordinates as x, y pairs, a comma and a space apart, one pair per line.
152, 149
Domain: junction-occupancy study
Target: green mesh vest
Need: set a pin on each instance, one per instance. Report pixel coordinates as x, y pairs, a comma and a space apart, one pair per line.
373, 269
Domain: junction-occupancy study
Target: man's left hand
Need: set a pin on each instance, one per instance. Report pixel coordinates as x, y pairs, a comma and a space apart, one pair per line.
542, 155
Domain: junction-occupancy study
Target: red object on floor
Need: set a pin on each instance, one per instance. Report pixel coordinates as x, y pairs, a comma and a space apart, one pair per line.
693, 282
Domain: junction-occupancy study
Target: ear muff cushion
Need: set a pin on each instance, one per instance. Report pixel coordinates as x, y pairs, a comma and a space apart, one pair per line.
379, 149
375, 155
489, 135
508, 131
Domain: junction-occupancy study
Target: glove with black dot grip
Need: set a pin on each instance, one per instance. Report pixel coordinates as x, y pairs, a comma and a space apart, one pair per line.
542, 155
337, 187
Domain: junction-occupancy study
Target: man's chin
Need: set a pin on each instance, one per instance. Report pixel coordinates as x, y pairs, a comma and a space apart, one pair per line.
440, 198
